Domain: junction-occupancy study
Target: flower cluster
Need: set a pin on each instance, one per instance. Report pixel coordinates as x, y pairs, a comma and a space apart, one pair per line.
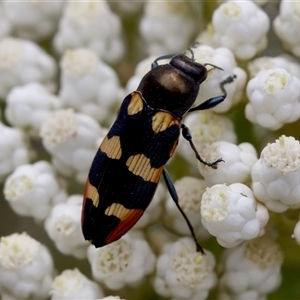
65, 67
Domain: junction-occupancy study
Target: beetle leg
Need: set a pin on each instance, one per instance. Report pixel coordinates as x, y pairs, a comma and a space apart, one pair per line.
187, 135
173, 193
212, 102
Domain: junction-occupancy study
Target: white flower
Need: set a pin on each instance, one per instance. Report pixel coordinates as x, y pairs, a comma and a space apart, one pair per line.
238, 161
32, 190
167, 27
241, 26
154, 210
206, 127
223, 58
72, 140
33, 20
124, 262
283, 61
23, 61
286, 25
276, 175
72, 284
230, 214
28, 106
296, 233
26, 267
189, 190
64, 227
206, 37
92, 25
274, 98
5, 25
88, 85
13, 151
252, 270
183, 273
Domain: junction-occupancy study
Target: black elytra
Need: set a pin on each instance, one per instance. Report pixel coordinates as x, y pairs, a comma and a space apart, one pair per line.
130, 160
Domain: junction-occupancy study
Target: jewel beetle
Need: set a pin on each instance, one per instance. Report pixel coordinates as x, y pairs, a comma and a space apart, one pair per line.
131, 158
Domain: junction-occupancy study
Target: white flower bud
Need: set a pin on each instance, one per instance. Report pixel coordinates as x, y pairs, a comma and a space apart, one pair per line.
124, 262
206, 127
237, 165
241, 26
82, 68
26, 267
167, 27
72, 284
286, 26
28, 106
206, 37
189, 191
33, 20
229, 213
32, 190
273, 98
183, 273
222, 58
252, 270
262, 215
91, 25
296, 234
72, 140
64, 227
13, 151
275, 175
21, 62
283, 61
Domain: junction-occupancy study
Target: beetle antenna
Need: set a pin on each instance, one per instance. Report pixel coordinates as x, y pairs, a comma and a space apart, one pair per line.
213, 67
192, 53
167, 56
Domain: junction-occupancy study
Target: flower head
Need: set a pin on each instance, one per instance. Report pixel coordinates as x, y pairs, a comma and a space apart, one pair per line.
124, 262
274, 174
234, 22
27, 263
273, 98
184, 273
73, 284
229, 213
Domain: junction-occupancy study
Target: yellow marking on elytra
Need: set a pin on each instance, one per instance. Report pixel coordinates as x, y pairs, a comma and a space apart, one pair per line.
136, 104
119, 211
112, 147
162, 121
140, 165
92, 193
173, 148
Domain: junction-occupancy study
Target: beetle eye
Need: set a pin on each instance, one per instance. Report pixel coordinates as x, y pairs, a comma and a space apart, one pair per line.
194, 70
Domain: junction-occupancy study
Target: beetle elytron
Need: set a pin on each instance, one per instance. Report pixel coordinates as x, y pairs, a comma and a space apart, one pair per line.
131, 158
